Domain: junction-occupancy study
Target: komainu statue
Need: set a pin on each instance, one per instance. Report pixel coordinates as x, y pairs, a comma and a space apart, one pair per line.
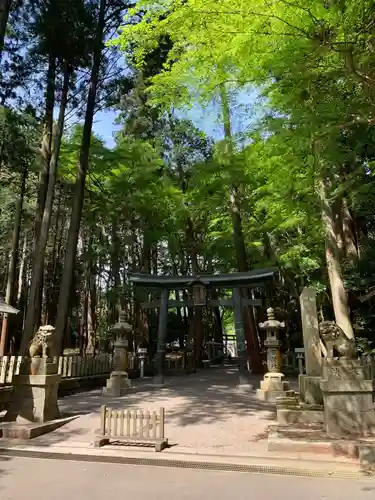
336, 342
41, 344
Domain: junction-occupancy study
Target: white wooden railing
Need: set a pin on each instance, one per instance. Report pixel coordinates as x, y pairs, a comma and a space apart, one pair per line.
68, 366
9, 366
71, 366
84, 366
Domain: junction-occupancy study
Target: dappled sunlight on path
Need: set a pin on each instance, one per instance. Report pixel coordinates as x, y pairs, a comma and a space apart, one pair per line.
205, 412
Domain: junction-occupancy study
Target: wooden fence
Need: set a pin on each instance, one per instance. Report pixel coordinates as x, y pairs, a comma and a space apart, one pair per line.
9, 366
179, 363
68, 366
132, 427
84, 366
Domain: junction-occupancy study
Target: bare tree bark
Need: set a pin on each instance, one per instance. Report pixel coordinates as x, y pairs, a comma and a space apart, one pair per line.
348, 232
338, 292
22, 270
46, 147
10, 288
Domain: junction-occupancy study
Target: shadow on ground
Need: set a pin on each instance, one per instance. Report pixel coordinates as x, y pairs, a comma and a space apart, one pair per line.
205, 397
203, 410
3, 459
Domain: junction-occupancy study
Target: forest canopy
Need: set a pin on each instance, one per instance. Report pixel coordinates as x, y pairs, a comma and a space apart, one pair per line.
293, 188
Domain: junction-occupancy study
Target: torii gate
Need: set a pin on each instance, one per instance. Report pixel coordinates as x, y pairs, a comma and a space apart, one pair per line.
199, 284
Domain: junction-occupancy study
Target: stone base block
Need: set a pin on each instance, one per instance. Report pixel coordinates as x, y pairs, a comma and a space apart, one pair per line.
313, 439
347, 449
273, 386
245, 388
274, 382
27, 430
270, 396
34, 398
117, 385
290, 416
349, 408
309, 389
367, 455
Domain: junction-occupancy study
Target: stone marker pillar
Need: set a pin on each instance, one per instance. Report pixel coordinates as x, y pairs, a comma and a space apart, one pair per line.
273, 385
348, 404
142, 354
300, 356
309, 383
119, 382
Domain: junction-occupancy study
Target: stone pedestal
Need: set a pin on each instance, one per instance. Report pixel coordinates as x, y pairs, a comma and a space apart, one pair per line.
347, 393
309, 389
34, 397
273, 386
289, 411
117, 385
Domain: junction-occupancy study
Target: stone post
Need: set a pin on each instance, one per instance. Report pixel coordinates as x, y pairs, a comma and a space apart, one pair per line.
300, 356
142, 353
273, 385
309, 383
119, 382
310, 328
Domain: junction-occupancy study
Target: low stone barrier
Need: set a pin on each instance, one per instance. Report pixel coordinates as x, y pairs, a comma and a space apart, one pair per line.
132, 427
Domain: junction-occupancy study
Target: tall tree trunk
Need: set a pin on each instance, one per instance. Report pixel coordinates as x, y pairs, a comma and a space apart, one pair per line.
51, 285
218, 329
115, 280
75, 220
90, 298
46, 153
197, 320
22, 270
338, 292
348, 232
46, 147
250, 328
5, 6
141, 294
10, 289
38, 266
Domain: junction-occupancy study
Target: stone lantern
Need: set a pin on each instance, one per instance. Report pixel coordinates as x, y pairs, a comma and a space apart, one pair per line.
119, 381
273, 384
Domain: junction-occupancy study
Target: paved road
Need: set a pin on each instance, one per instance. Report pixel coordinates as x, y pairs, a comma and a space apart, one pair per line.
41, 479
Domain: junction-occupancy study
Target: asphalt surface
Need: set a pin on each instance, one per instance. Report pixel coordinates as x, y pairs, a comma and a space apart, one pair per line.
41, 479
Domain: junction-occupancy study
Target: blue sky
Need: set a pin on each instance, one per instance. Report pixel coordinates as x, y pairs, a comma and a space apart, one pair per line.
244, 110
